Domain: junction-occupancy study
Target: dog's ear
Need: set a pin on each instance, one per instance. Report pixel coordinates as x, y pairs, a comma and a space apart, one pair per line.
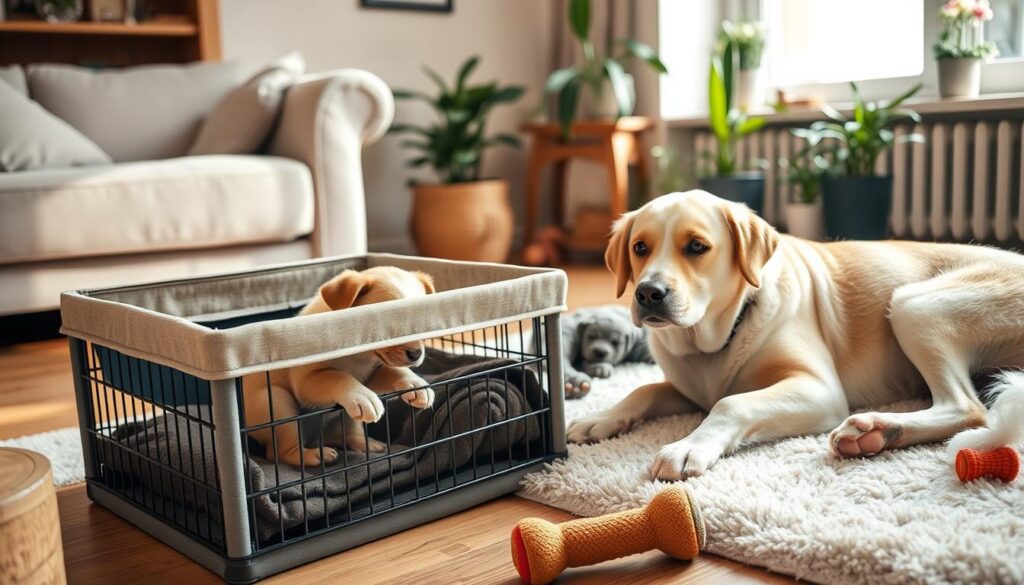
616, 256
753, 241
427, 280
342, 291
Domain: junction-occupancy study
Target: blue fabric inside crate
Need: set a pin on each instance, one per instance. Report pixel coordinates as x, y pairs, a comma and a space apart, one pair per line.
167, 386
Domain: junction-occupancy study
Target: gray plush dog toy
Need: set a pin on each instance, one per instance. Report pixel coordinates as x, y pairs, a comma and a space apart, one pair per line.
594, 341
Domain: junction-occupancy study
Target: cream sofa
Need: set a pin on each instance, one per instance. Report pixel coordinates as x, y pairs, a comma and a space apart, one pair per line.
138, 220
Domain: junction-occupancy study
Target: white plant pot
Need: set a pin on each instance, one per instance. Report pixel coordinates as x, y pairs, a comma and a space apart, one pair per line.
749, 90
806, 220
959, 77
601, 103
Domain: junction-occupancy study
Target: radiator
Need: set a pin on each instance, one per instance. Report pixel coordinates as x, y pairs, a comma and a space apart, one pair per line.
962, 184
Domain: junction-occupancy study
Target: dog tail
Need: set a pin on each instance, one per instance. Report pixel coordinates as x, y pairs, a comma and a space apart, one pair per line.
1005, 424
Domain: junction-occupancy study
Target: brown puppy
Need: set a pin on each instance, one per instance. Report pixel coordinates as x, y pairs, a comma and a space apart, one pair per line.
352, 382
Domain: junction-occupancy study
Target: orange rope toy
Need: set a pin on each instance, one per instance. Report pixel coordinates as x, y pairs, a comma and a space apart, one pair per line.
671, 523
1002, 463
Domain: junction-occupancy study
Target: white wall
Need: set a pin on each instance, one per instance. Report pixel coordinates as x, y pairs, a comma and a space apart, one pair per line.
513, 37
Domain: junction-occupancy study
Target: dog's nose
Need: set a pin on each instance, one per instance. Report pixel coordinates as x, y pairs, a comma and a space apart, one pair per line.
413, 354
651, 294
600, 354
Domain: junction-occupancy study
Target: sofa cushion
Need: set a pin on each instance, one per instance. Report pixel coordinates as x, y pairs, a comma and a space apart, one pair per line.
14, 75
176, 204
137, 113
242, 120
32, 138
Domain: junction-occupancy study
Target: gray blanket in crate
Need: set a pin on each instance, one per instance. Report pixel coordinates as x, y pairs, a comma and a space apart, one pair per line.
473, 403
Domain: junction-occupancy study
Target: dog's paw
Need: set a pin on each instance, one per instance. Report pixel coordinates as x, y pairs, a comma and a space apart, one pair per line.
600, 370
360, 442
684, 459
577, 385
421, 397
863, 435
309, 457
598, 428
363, 405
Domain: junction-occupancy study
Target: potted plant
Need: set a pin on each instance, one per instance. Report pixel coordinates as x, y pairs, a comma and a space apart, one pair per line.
464, 216
743, 44
729, 124
856, 200
961, 47
804, 170
611, 90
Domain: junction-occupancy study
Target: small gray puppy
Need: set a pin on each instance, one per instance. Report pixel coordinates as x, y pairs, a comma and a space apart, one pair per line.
594, 341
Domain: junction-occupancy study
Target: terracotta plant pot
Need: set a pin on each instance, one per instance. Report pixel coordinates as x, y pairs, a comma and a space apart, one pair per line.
463, 221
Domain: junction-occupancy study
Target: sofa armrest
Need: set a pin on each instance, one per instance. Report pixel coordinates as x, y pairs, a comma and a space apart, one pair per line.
325, 121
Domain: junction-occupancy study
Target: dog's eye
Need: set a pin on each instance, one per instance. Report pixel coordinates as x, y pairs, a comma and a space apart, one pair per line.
640, 248
696, 247
615, 343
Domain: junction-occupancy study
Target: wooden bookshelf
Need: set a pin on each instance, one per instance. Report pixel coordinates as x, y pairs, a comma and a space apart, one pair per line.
179, 26
180, 31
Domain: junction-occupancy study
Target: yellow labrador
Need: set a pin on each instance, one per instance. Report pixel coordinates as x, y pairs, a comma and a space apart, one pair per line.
777, 337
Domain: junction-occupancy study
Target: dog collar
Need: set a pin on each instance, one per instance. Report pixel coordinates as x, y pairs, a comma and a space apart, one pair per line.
739, 320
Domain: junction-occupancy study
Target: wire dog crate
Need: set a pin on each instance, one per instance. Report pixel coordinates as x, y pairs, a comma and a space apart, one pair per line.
163, 371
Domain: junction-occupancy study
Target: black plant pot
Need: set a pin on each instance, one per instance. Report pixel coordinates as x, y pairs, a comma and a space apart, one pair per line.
741, 187
857, 208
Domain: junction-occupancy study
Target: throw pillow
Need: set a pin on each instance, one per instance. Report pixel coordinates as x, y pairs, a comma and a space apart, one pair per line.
15, 76
32, 138
241, 122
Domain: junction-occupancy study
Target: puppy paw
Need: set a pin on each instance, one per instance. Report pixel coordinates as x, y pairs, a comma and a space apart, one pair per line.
863, 435
421, 397
600, 370
684, 459
363, 405
598, 428
360, 442
577, 385
308, 457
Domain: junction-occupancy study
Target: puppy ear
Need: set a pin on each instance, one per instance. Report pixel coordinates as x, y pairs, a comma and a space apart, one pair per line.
342, 291
616, 255
427, 280
753, 241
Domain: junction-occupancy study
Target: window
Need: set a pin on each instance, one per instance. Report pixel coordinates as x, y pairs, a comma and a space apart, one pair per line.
830, 41
1006, 28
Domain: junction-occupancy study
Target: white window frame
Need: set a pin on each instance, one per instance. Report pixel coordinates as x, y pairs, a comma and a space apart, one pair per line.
999, 76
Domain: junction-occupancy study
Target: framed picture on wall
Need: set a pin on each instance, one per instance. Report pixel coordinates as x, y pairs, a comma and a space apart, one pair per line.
426, 5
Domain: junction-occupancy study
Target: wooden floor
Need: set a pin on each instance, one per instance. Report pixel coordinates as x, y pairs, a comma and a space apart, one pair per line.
469, 547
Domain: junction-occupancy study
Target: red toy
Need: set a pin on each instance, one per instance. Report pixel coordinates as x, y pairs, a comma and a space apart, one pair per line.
1002, 463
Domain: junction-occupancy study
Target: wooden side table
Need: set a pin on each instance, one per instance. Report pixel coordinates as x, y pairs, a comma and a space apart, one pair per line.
615, 144
30, 545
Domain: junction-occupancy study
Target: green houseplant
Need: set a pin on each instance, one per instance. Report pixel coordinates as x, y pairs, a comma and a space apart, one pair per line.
961, 47
742, 44
612, 93
856, 200
464, 216
729, 124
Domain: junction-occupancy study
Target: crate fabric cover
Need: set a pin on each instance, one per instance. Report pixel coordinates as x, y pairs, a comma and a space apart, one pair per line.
157, 321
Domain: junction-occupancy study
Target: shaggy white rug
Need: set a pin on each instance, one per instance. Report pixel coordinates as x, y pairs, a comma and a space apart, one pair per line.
900, 517
63, 447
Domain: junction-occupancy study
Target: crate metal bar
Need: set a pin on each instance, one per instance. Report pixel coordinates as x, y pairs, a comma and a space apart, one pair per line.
232, 468
556, 391
83, 402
